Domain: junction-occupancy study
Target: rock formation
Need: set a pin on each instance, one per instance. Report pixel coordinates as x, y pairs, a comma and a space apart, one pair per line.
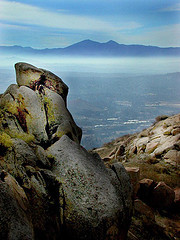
152, 159
50, 186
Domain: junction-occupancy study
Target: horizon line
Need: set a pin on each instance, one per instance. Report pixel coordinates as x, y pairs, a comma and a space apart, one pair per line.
133, 44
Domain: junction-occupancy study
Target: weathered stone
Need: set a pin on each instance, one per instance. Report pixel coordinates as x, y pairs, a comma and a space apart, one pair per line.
120, 151
17, 191
146, 188
36, 78
141, 143
172, 157
168, 131
144, 210
92, 205
33, 112
15, 221
175, 131
151, 146
59, 119
25, 112
162, 196
42, 159
17, 158
12, 90
177, 198
134, 174
166, 145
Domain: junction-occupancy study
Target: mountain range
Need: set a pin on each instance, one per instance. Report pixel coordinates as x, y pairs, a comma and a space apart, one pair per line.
93, 48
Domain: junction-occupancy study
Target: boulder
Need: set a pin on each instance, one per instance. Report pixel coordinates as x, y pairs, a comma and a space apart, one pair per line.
15, 221
166, 145
172, 157
145, 211
15, 160
120, 151
40, 113
134, 174
175, 131
36, 78
151, 146
162, 196
177, 198
59, 119
145, 189
92, 207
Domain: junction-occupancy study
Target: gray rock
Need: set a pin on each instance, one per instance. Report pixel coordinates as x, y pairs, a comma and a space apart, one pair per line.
15, 222
91, 206
59, 119
34, 113
42, 159
17, 158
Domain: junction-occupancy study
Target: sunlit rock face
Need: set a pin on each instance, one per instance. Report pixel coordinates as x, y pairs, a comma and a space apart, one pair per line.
57, 189
39, 106
35, 78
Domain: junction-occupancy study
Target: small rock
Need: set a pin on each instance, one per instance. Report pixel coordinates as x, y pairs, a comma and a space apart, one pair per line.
120, 151
168, 131
175, 131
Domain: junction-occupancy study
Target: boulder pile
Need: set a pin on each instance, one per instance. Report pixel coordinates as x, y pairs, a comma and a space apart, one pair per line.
152, 160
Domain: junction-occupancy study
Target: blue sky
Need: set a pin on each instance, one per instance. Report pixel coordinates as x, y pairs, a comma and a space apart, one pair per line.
59, 23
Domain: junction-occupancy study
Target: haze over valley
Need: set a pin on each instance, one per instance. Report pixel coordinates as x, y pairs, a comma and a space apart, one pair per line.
108, 96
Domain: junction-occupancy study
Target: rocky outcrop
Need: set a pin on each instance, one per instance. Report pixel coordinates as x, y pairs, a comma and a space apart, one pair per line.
159, 142
152, 159
50, 186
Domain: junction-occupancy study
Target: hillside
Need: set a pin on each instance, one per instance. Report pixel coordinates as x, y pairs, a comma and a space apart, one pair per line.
92, 48
152, 158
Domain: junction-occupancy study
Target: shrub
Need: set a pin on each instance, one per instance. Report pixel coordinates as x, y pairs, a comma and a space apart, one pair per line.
161, 117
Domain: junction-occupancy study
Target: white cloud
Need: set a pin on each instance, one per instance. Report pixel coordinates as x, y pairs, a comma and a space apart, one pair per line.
18, 13
12, 26
164, 36
172, 8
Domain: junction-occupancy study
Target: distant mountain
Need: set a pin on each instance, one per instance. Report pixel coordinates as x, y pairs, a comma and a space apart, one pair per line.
92, 48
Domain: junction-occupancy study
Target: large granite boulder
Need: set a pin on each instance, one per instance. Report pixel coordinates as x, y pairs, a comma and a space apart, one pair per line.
50, 186
90, 203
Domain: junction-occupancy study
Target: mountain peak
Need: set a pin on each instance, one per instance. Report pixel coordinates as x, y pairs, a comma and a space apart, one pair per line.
112, 42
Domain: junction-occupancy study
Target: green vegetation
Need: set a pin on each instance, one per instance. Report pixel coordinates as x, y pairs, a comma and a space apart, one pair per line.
49, 108
26, 137
5, 140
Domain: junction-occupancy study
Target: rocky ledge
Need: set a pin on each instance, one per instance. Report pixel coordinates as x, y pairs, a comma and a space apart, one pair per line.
50, 186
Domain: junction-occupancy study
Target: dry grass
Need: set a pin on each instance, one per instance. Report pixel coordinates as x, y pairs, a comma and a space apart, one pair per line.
157, 172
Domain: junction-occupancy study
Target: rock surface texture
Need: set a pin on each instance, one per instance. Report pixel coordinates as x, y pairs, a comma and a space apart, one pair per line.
50, 186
